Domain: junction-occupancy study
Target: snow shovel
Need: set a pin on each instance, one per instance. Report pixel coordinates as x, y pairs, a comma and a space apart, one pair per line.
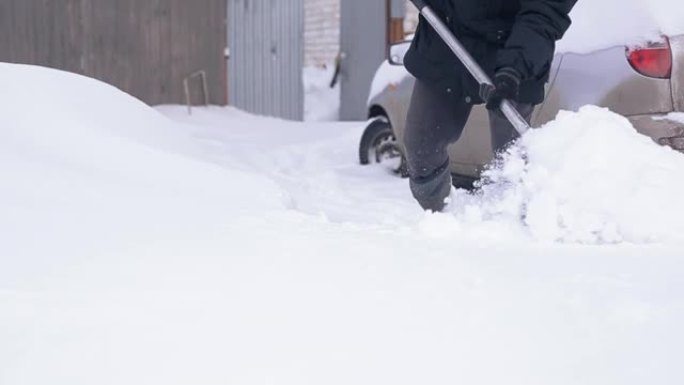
471, 65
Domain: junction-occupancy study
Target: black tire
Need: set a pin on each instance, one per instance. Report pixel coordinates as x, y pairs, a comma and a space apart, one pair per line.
379, 142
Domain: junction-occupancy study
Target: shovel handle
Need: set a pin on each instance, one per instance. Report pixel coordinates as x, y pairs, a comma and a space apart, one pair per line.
420, 4
507, 108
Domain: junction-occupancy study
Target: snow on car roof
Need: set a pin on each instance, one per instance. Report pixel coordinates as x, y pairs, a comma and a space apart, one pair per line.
599, 24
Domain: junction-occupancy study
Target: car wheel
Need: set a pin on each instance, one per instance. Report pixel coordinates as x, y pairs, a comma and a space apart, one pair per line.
379, 145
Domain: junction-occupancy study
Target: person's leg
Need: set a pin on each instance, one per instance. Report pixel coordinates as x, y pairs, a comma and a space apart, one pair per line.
435, 119
503, 132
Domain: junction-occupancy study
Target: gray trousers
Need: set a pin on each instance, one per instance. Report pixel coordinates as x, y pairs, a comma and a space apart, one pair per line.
435, 119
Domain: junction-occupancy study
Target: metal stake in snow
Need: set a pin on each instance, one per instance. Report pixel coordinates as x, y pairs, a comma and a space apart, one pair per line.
471, 65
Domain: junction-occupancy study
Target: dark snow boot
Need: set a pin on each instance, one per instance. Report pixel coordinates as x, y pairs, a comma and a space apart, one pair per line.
432, 191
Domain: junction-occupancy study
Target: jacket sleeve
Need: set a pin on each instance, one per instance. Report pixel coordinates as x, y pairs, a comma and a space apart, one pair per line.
532, 42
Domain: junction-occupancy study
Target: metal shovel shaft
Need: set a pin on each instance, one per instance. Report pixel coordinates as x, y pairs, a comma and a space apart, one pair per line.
471, 65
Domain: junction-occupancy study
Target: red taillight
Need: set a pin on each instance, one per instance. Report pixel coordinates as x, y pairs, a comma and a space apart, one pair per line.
654, 60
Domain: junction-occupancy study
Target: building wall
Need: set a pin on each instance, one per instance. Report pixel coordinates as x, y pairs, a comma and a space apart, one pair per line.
321, 31
411, 21
146, 48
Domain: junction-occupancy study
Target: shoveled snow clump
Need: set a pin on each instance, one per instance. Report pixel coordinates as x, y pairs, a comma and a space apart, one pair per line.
586, 177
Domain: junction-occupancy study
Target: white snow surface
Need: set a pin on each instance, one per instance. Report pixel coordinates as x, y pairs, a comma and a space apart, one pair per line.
600, 24
141, 247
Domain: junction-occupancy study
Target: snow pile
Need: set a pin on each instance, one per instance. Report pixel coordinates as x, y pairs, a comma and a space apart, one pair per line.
600, 24
87, 169
321, 102
586, 177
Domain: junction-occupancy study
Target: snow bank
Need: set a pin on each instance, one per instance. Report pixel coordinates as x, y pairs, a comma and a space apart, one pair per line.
87, 169
586, 177
233, 249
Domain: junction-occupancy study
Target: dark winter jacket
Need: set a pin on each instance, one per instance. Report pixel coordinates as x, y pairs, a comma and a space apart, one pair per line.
498, 33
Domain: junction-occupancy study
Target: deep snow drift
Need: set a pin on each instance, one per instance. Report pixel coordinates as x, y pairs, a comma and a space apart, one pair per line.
235, 249
87, 168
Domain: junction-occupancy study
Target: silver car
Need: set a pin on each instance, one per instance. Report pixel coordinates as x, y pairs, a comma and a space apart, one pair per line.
640, 83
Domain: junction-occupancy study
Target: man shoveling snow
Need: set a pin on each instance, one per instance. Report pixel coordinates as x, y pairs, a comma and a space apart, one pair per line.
513, 40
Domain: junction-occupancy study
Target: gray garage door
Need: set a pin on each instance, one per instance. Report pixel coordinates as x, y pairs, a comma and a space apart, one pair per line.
363, 43
266, 53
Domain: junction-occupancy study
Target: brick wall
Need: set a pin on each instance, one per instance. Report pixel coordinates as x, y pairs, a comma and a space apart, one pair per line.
321, 31
411, 18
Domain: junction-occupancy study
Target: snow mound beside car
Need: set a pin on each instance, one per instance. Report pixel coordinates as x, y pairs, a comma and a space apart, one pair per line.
586, 177
88, 168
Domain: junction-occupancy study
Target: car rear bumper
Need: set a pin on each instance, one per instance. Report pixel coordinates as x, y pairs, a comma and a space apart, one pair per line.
662, 130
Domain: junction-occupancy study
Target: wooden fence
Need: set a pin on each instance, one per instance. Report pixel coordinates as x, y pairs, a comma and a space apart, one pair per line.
145, 47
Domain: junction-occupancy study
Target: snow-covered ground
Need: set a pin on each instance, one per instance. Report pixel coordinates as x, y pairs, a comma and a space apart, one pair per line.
152, 247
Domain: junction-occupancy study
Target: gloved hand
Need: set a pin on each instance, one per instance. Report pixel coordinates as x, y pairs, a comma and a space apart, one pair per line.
506, 86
